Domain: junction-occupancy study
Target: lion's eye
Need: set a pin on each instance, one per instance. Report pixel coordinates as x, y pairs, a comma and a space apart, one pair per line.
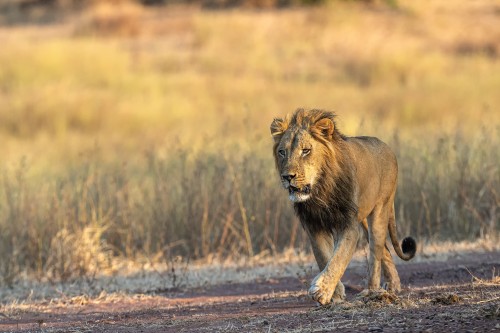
305, 152
282, 152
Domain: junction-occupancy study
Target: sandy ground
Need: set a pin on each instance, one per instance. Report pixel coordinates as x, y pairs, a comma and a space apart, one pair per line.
460, 294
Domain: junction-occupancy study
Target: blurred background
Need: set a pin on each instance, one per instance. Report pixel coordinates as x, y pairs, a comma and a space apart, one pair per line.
140, 129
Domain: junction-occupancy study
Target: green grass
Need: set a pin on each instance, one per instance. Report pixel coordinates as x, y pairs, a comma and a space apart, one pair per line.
158, 143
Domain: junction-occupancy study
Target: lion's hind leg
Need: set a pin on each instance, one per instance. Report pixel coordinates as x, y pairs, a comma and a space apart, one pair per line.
391, 276
377, 234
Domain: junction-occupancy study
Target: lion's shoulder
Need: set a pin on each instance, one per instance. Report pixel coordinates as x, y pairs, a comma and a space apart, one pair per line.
370, 154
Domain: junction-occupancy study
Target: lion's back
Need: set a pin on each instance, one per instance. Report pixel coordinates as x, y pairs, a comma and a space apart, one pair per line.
374, 150
376, 167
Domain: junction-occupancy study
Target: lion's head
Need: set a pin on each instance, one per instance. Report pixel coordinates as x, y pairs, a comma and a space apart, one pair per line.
303, 150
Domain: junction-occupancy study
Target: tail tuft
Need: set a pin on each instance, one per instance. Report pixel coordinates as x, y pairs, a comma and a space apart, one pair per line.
409, 247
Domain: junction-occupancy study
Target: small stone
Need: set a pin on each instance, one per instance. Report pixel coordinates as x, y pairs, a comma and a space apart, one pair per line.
375, 329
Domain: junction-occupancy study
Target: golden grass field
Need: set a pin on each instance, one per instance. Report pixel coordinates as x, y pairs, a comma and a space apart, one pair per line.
131, 131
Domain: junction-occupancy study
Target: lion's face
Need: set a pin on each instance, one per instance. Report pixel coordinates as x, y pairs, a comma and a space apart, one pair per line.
298, 158
300, 153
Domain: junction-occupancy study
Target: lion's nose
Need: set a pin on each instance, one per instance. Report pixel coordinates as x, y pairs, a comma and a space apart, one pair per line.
288, 177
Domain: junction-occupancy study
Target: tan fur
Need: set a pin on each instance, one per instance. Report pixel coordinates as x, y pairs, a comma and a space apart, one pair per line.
337, 182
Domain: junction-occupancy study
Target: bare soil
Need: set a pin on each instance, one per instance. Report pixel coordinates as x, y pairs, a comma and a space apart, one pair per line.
459, 295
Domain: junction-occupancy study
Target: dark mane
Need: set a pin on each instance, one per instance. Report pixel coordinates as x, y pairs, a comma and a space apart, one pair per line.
331, 206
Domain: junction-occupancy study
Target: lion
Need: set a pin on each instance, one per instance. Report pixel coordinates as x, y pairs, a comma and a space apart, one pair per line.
337, 183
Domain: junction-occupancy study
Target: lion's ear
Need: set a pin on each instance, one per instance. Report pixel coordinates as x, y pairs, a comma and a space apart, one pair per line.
278, 127
324, 127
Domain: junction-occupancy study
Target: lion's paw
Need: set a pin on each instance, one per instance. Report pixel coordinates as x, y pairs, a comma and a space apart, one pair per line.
370, 295
321, 291
339, 293
392, 287
371, 292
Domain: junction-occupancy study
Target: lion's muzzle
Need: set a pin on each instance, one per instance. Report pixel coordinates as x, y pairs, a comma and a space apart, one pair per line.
299, 194
288, 177
304, 190
296, 192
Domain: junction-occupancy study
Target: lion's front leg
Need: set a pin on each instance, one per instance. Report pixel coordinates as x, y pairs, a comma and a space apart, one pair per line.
326, 285
323, 245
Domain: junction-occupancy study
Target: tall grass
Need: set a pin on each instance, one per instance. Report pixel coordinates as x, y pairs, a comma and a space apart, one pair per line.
156, 143
228, 204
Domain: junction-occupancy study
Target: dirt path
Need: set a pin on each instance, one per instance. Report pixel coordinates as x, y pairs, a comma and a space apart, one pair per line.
461, 294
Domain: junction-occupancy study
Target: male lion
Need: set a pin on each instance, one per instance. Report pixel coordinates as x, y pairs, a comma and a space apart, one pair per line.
336, 182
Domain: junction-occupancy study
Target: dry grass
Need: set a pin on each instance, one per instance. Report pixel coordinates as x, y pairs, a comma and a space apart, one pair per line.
148, 297
132, 132
145, 275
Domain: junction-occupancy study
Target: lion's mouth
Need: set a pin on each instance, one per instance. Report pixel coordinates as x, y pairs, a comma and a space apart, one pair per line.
299, 194
306, 189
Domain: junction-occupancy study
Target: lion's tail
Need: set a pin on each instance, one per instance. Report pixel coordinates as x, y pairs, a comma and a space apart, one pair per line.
408, 245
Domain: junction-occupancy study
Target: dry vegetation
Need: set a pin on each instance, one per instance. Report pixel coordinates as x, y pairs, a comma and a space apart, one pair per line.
134, 132
262, 295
